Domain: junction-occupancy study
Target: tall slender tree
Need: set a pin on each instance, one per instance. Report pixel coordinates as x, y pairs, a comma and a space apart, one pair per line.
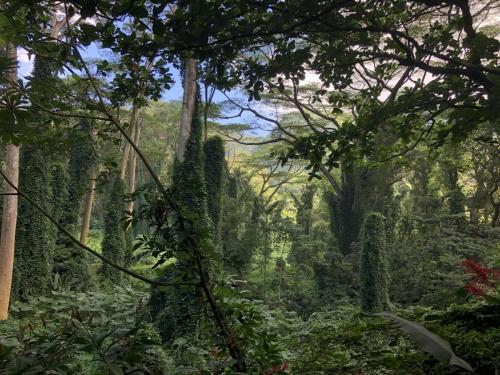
134, 116
133, 166
89, 202
9, 209
252, 238
131, 182
188, 107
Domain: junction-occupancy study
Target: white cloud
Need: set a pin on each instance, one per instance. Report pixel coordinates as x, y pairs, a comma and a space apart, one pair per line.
25, 62
23, 56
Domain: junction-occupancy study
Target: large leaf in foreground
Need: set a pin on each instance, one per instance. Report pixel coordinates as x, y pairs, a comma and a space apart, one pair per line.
427, 341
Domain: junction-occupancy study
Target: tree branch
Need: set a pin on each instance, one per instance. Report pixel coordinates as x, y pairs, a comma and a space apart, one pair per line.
85, 247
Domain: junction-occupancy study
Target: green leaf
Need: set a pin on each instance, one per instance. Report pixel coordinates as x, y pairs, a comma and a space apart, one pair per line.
429, 342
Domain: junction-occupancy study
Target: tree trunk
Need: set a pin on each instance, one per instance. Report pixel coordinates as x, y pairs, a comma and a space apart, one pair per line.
134, 117
132, 168
89, 201
9, 213
188, 103
126, 149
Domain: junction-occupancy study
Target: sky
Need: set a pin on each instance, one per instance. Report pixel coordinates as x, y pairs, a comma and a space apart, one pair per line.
175, 93
92, 52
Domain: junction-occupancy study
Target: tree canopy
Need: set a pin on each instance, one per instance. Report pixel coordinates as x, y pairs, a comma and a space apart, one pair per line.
321, 196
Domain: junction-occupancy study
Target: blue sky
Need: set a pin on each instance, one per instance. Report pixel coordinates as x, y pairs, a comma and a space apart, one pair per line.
26, 65
94, 52
174, 93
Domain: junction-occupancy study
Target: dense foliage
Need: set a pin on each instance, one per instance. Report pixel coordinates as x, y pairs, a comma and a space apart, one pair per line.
374, 277
329, 204
113, 241
215, 176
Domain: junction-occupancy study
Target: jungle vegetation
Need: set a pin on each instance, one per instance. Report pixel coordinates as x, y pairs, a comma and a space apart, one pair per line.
323, 196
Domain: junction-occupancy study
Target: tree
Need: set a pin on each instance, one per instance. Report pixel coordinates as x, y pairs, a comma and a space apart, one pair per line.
484, 169
134, 116
113, 243
188, 107
177, 310
131, 185
9, 210
252, 238
304, 209
346, 213
159, 134
36, 240
71, 263
423, 69
374, 288
240, 223
356, 186
451, 162
301, 234
215, 176
82, 158
133, 167
35, 237
426, 69
89, 202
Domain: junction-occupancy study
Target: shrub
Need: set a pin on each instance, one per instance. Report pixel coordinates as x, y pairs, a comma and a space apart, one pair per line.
82, 333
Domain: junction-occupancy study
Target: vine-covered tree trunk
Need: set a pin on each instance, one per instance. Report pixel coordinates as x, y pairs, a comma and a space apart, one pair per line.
177, 311
35, 235
361, 190
304, 209
251, 238
215, 182
113, 243
132, 173
70, 179
346, 211
496, 213
9, 211
456, 201
374, 275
